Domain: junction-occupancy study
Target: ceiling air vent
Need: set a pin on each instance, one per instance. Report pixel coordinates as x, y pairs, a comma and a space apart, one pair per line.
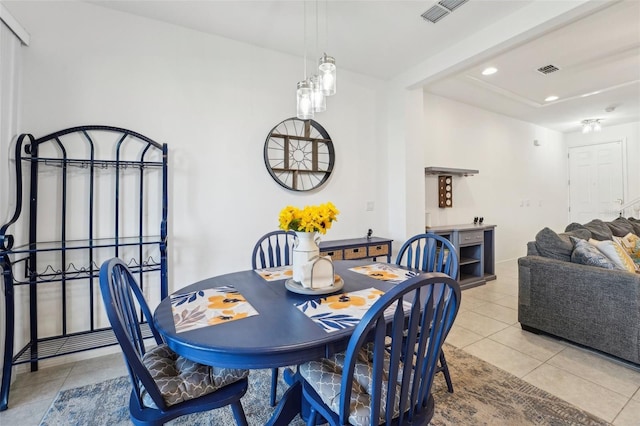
441, 9
548, 69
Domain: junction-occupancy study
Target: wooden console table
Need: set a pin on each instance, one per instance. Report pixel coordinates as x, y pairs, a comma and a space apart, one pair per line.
475, 245
357, 248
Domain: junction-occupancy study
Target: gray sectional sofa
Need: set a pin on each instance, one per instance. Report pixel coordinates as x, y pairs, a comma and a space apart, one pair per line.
592, 306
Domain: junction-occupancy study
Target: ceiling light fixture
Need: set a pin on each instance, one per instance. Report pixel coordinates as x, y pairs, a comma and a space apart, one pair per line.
312, 91
591, 125
489, 71
551, 98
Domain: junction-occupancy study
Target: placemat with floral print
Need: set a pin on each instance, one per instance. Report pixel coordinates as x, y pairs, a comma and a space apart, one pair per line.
275, 274
385, 272
341, 311
211, 306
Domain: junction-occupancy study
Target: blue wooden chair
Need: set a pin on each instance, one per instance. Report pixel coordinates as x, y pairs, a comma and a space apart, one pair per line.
374, 381
165, 385
273, 249
431, 253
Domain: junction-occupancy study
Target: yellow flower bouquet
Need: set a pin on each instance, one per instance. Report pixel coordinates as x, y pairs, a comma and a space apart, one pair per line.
309, 219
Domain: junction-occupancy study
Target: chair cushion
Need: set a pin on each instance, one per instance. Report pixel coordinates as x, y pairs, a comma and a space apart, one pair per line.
180, 379
325, 377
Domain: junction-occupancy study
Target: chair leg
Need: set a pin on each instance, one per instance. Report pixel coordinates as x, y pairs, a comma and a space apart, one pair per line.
311, 420
274, 386
238, 413
445, 370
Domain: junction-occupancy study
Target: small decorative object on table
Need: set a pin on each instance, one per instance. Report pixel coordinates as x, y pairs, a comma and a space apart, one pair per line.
310, 270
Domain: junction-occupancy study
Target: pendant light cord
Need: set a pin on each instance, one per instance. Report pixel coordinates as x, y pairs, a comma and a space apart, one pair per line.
305, 38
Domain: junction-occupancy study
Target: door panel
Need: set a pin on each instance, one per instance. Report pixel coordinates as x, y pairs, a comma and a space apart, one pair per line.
595, 182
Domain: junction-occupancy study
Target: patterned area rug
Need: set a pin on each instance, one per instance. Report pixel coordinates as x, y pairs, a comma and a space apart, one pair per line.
484, 395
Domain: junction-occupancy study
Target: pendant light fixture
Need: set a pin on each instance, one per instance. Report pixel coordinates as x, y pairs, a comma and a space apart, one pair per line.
304, 93
326, 63
327, 68
304, 100
312, 91
319, 101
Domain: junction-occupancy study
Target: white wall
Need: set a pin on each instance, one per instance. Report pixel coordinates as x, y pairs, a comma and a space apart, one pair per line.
213, 101
629, 134
512, 172
10, 66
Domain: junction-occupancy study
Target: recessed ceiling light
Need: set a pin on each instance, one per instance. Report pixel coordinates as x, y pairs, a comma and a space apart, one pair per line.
551, 98
489, 71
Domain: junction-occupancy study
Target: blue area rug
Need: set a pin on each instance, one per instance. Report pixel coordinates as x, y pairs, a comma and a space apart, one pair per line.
484, 395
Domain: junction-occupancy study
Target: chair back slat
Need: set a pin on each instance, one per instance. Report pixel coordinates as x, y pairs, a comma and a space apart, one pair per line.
429, 253
406, 346
273, 249
123, 301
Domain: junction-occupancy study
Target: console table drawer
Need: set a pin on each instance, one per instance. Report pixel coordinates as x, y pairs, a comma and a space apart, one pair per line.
471, 237
380, 250
335, 254
355, 253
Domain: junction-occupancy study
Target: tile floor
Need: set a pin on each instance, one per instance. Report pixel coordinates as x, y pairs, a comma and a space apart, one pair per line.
487, 327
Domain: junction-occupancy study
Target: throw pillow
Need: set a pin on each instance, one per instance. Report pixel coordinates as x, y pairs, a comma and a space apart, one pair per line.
557, 246
631, 244
599, 230
616, 254
586, 253
636, 225
620, 227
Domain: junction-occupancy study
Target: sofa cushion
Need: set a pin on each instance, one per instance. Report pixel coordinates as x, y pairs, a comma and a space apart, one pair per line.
636, 225
620, 227
586, 253
616, 254
558, 246
599, 229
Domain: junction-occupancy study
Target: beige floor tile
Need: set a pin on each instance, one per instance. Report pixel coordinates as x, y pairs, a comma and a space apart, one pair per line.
505, 287
479, 324
461, 337
90, 377
504, 357
630, 415
468, 302
25, 414
484, 292
498, 312
580, 392
536, 346
598, 369
37, 377
636, 397
43, 391
508, 301
93, 364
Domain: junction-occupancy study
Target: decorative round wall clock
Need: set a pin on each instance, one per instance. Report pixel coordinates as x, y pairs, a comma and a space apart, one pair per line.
299, 154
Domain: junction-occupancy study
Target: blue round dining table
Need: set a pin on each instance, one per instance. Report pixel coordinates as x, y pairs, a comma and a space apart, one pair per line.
279, 335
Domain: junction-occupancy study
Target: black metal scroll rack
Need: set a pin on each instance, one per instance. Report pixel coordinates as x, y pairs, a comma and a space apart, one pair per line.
95, 192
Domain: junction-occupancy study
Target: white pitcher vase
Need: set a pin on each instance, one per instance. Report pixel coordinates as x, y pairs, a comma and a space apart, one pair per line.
305, 250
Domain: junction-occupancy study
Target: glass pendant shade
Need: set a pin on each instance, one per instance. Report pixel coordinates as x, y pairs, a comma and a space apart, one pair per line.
304, 100
319, 101
327, 68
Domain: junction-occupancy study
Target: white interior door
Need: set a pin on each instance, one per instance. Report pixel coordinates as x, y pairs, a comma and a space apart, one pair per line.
595, 182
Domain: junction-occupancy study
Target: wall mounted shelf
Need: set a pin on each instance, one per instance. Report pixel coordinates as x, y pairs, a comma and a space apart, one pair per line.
449, 171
